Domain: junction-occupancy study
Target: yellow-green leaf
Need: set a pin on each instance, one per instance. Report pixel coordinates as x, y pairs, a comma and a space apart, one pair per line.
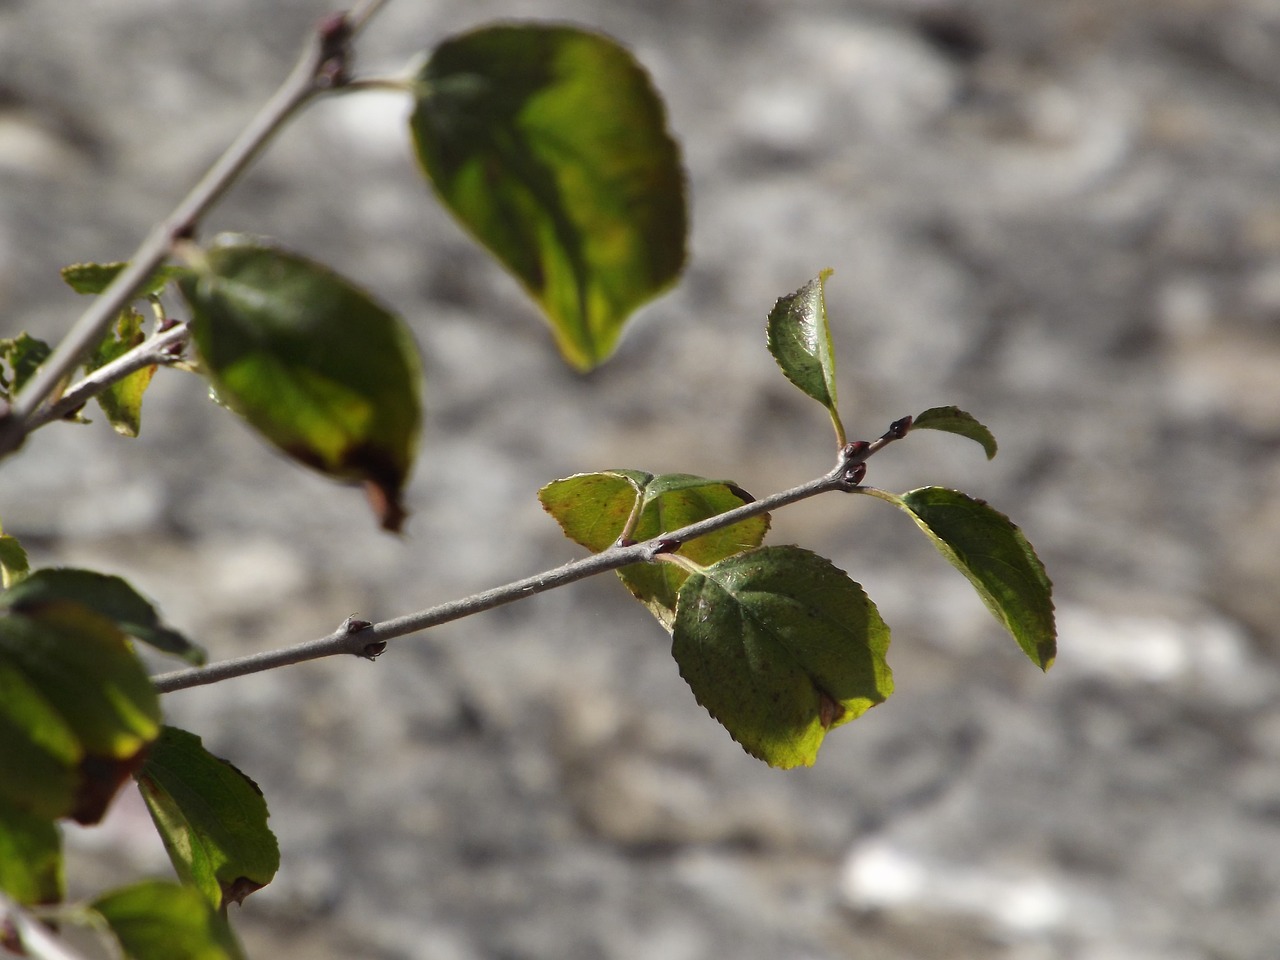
212, 818
799, 337
85, 704
954, 420
593, 510
93, 278
20, 358
780, 646
549, 144
154, 920
990, 550
111, 596
122, 401
313, 363
13, 560
30, 857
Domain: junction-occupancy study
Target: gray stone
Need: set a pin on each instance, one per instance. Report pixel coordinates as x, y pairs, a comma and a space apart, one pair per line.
1061, 217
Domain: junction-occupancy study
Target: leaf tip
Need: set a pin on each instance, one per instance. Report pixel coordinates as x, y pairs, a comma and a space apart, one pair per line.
238, 889
951, 419
387, 506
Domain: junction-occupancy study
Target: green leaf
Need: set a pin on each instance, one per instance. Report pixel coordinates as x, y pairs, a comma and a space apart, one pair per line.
212, 818
13, 561
955, 420
991, 551
594, 508
313, 363
780, 646
122, 401
110, 596
549, 144
75, 671
23, 355
93, 278
40, 754
154, 920
672, 501
799, 338
30, 857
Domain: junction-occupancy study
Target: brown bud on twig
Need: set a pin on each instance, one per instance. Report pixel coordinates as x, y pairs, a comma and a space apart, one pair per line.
898, 429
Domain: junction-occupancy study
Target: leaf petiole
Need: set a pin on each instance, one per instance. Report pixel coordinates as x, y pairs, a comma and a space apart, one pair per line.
680, 560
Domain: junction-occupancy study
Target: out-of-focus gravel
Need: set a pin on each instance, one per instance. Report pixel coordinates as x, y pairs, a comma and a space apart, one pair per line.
1063, 217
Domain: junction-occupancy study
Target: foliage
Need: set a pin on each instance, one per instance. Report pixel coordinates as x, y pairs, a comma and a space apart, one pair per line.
549, 144
277, 340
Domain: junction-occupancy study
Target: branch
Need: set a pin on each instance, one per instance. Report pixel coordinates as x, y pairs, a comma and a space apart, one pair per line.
362, 13
322, 66
162, 347
368, 640
20, 931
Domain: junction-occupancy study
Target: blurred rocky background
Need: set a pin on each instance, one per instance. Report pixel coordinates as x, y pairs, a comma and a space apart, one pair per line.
1063, 217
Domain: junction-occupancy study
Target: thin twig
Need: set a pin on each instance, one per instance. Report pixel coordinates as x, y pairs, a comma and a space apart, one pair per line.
362, 12
33, 937
320, 67
159, 348
370, 640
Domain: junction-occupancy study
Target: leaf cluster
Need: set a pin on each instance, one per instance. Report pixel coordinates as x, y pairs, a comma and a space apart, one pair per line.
777, 643
549, 145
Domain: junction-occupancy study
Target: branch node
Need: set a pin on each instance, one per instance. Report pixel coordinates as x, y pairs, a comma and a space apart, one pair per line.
663, 545
334, 33
853, 475
852, 467
369, 651
176, 349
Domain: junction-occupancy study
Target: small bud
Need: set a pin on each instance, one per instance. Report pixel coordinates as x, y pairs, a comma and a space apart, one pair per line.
855, 448
666, 545
355, 625
898, 429
334, 29
334, 32
855, 474
372, 651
